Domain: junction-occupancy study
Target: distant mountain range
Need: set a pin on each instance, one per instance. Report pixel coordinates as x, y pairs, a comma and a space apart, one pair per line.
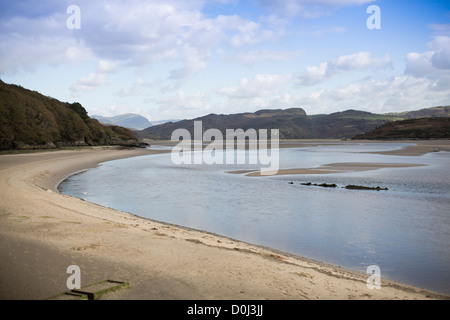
129, 120
30, 120
294, 123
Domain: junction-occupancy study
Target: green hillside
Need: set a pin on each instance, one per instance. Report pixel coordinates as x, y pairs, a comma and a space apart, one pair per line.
423, 128
30, 120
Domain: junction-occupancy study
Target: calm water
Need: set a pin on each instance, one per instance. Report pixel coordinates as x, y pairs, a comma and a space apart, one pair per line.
405, 230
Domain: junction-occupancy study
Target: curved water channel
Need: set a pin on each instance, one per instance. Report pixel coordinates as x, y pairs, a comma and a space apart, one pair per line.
404, 230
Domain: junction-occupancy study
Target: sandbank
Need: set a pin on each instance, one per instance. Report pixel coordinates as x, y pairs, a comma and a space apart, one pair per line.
414, 149
419, 147
341, 167
42, 232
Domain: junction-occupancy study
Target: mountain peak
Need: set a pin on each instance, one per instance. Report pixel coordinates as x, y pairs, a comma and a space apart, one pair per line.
127, 120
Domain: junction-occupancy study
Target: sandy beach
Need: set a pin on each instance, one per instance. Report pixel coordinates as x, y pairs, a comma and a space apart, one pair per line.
42, 232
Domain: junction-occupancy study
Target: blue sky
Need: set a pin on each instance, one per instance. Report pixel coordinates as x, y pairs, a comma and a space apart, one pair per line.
177, 59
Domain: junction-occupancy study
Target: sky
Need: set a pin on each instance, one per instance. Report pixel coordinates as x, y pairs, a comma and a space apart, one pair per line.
178, 59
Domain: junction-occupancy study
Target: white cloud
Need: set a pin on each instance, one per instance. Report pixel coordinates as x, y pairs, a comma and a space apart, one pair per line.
28, 42
134, 32
123, 34
313, 75
77, 54
285, 101
89, 83
262, 85
194, 59
419, 64
238, 31
396, 94
441, 49
175, 40
144, 33
21, 53
256, 56
94, 79
138, 32
251, 33
134, 89
326, 70
189, 105
433, 64
437, 58
360, 60
321, 31
107, 66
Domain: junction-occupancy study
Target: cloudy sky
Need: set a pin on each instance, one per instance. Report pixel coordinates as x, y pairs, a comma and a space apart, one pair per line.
176, 59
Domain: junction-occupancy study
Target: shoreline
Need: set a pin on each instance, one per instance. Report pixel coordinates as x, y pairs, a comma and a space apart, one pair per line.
43, 232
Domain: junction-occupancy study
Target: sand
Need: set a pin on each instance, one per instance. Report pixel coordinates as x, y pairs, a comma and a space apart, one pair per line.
416, 148
42, 232
331, 168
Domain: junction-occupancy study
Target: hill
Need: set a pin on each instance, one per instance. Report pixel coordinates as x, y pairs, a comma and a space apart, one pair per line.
423, 128
294, 123
291, 122
127, 120
30, 120
346, 124
442, 112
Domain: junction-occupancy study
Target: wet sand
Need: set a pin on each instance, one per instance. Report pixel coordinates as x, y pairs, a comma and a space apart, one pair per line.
417, 148
332, 168
42, 232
